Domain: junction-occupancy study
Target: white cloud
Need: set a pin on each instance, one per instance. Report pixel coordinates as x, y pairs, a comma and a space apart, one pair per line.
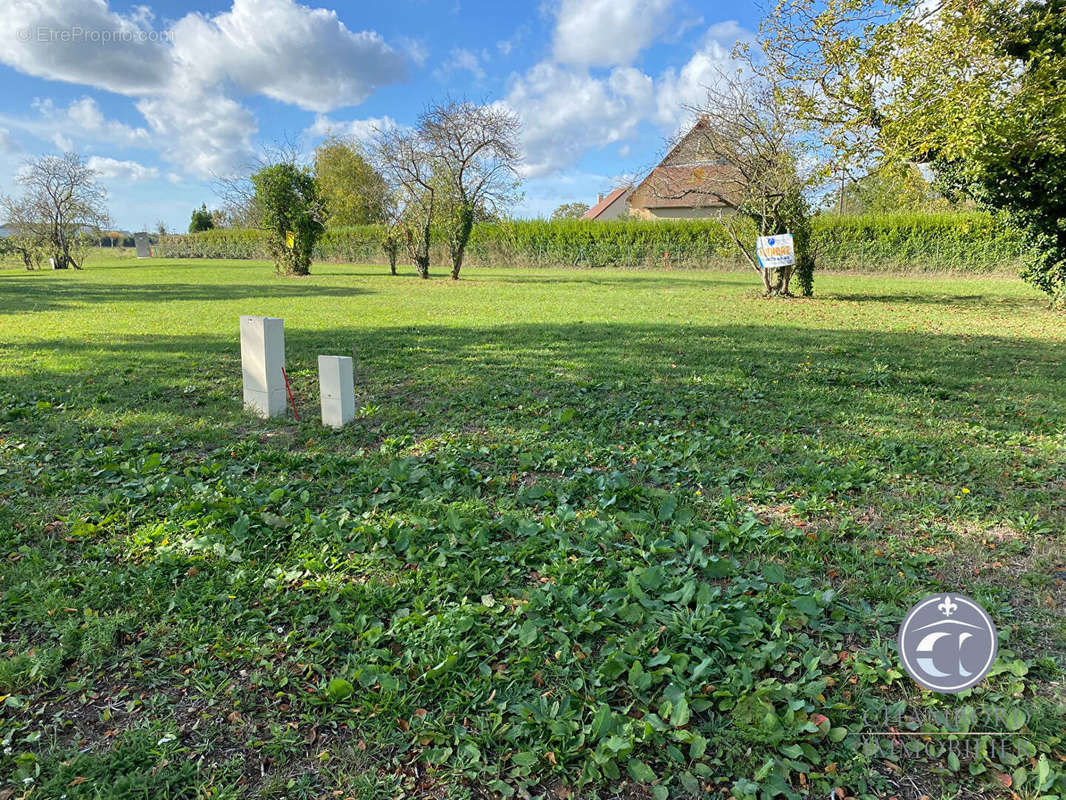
7, 143
606, 32
362, 130
84, 118
110, 168
678, 90
289, 52
461, 60
186, 79
565, 112
62, 143
203, 133
415, 49
85, 42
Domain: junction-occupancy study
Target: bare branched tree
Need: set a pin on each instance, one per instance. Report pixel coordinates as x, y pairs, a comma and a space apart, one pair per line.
475, 154
61, 211
27, 239
406, 163
750, 162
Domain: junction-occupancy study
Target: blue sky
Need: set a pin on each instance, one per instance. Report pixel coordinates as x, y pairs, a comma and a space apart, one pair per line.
162, 97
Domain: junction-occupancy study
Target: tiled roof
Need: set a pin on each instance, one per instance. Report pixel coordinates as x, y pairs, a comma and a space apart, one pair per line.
686, 186
605, 203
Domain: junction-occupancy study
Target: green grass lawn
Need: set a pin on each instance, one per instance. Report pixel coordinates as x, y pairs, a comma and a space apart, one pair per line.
593, 533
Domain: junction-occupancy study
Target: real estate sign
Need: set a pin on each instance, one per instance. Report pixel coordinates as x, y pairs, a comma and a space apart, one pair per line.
775, 251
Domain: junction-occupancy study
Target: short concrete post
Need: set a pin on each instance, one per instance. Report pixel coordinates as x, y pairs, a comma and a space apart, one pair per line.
336, 383
262, 362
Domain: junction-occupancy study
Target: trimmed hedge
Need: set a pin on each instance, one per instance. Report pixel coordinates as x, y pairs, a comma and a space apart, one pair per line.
969, 241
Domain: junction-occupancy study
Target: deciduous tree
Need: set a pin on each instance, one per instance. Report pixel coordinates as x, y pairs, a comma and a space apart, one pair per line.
290, 210
570, 211
61, 211
408, 167
972, 86
352, 190
758, 166
474, 154
391, 236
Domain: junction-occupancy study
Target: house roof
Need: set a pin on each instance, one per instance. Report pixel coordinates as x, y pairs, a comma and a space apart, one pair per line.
605, 203
689, 176
703, 185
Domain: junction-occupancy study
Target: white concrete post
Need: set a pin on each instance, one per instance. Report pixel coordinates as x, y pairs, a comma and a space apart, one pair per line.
336, 383
262, 361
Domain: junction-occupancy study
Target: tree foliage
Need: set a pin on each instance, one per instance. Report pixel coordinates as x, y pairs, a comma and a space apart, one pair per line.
1022, 165
973, 87
289, 208
570, 211
351, 189
893, 188
202, 220
458, 166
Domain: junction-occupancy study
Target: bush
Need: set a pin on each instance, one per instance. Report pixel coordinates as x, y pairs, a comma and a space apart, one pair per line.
973, 242
289, 208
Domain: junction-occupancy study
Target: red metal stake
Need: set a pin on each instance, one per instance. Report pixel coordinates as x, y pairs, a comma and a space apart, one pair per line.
289, 390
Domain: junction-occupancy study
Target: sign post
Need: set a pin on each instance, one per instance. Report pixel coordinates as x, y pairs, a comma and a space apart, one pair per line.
775, 252
144, 247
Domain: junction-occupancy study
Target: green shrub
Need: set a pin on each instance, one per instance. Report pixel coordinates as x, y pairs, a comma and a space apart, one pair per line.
971, 241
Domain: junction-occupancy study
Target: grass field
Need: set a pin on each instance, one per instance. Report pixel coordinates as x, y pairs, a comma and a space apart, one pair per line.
593, 534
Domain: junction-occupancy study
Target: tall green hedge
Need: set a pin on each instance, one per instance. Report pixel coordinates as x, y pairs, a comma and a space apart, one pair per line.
968, 241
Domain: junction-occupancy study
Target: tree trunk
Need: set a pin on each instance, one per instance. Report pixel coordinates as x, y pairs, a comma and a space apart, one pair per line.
392, 262
457, 262
785, 278
462, 236
422, 266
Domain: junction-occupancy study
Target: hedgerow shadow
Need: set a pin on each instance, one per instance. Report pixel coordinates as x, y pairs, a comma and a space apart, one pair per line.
35, 292
946, 407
